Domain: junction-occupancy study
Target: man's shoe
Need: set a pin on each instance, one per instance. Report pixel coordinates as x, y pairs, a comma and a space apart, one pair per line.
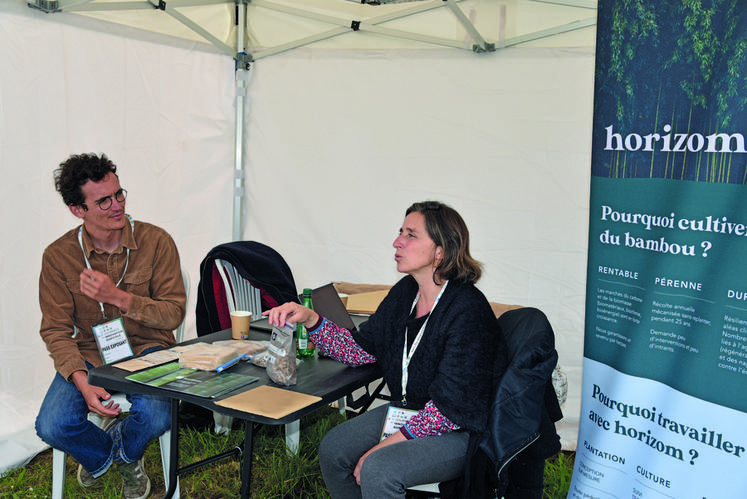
84, 477
136, 482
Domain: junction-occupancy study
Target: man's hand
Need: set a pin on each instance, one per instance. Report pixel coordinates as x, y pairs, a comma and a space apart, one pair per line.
93, 396
99, 287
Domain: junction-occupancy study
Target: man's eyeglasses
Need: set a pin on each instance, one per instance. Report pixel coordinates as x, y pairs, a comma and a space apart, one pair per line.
106, 203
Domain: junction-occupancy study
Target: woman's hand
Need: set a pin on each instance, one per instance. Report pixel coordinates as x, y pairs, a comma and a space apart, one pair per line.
293, 313
391, 439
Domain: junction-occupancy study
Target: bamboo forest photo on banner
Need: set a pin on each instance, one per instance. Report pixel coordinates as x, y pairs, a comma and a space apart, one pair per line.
664, 403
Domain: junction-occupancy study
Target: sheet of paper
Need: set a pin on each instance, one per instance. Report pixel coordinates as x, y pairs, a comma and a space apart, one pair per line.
268, 401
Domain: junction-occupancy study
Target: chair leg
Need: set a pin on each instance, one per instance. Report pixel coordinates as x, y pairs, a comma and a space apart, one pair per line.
164, 441
223, 423
59, 465
341, 405
59, 462
293, 432
292, 436
59, 458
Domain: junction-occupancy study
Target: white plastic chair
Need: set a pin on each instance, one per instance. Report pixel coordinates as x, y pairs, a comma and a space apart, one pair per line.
59, 458
241, 295
179, 333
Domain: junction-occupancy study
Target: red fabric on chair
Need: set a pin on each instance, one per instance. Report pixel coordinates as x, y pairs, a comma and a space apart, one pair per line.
221, 305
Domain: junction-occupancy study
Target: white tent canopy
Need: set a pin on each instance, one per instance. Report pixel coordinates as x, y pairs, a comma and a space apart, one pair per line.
248, 30
266, 27
337, 138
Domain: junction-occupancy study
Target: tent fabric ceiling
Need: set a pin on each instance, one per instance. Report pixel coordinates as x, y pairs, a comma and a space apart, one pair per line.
248, 30
273, 26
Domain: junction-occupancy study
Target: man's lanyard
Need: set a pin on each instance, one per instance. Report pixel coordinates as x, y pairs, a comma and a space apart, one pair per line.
88, 264
407, 356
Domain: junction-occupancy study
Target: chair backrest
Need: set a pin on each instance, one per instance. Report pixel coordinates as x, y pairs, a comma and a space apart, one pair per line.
263, 268
240, 294
520, 425
519, 406
179, 333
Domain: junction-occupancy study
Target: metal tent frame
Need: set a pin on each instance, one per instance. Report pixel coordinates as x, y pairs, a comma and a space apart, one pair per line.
339, 25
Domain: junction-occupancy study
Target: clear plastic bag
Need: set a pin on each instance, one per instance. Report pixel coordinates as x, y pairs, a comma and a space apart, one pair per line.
260, 359
281, 361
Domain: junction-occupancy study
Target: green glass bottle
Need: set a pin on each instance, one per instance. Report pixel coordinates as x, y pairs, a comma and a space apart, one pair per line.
304, 347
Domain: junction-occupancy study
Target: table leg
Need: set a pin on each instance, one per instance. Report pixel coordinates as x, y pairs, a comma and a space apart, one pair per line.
246, 465
173, 450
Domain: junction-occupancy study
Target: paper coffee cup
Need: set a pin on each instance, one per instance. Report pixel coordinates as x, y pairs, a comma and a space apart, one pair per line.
344, 298
240, 322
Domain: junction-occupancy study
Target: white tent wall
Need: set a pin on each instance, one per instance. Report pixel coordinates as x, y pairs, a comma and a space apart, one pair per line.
338, 144
163, 114
341, 143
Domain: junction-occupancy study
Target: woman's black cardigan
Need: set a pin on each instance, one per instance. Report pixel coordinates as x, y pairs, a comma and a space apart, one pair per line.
455, 362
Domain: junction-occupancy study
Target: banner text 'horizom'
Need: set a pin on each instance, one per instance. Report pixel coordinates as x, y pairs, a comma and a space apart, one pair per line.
678, 142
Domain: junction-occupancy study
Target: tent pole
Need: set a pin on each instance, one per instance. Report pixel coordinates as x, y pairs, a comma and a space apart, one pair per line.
243, 64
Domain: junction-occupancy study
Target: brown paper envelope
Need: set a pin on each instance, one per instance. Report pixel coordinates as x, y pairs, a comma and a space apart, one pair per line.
151, 360
365, 303
269, 401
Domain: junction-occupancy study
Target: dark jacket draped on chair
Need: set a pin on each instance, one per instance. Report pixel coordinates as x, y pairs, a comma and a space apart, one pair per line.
521, 434
261, 265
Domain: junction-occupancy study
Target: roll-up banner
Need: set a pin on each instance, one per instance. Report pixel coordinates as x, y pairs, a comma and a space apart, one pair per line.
664, 396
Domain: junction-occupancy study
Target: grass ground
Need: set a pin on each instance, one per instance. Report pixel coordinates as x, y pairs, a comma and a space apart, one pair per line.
274, 474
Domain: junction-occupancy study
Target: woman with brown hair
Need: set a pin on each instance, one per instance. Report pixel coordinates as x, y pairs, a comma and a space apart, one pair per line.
437, 340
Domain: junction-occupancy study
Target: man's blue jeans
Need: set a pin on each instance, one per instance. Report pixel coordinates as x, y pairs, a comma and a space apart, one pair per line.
63, 424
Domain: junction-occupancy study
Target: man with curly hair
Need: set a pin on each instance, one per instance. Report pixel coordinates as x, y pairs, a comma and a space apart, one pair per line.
111, 277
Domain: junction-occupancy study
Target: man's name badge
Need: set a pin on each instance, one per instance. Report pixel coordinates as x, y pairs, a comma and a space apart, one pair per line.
111, 338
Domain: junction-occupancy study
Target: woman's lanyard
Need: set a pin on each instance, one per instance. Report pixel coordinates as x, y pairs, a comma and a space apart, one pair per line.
407, 356
88, 264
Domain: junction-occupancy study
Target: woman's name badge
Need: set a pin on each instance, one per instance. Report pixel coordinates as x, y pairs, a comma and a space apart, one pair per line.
396, 417
111, 338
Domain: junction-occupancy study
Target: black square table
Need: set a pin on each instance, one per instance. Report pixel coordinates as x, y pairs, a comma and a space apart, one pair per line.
318, 376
